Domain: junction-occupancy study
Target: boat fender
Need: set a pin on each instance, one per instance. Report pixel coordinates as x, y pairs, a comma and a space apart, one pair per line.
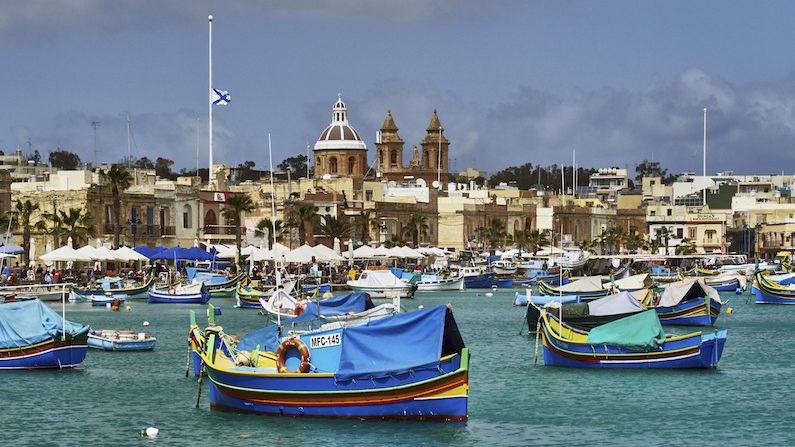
284, 348
729, 310
299, 309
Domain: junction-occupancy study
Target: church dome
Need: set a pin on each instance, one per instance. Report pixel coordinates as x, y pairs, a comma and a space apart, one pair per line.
339, 135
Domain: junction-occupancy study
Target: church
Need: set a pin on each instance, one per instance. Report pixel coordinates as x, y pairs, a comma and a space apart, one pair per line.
341, 152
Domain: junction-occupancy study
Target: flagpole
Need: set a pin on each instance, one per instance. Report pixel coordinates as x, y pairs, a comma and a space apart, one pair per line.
210, 99
705, 157
273, 211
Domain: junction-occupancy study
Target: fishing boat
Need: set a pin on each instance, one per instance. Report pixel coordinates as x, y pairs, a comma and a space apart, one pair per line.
634, 283
249, 297
586, 316
503, 282
349, 310
44, 292
432, 283
127, 340
503, 267
320, 288
636, 341
181, 294
688, 303
33, 336
410, 366
768, 291
475, 277
217, 284
587, 288
382, 284
106, 289
103, 300
281, 304
571, 260
725, 283
662, 274
551, 279
526, 298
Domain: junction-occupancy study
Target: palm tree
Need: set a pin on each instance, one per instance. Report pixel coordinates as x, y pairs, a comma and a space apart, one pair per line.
266, 226
687, 247
119, 179
612, 237
520, 239
366, 221
496, 233
537, 239
664, 234
54, 230
633, 241
394, 241
416, 226
235, 206
76, 225
24, 210
332, 227
6, 218
306, 219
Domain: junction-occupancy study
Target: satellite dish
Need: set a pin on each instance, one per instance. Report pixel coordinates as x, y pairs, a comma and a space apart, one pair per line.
326, 176
421, 183
435, 184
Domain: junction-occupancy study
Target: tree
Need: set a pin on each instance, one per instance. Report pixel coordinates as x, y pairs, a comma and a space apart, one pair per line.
416, 226
394, 241
613, 237
235, 207
527, 176
266, 226
76, 225
24, 210
364, 222
163, 167
664, 236
537, 239
296, 164
687, 247
520, 239
144, 163
496, 234
35, 157
7, 221
63, 159
51, 222
119, 179
648, 168
306, 218
333, 227
245, 171
633, 241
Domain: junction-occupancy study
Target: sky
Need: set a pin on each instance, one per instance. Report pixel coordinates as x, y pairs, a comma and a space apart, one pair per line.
513, 81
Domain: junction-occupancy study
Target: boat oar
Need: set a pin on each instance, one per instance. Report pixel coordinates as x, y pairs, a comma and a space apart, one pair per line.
187, 362
199, 392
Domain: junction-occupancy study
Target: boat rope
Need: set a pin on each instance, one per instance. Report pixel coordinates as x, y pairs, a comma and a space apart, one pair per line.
538, 333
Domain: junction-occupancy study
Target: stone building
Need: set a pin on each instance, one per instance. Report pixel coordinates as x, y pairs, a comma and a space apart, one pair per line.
429, 162
340, 151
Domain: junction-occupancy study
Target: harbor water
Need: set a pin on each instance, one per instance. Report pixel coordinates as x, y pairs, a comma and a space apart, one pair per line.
112, 396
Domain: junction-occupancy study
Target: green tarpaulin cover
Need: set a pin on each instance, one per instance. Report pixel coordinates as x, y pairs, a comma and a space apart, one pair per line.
641, 331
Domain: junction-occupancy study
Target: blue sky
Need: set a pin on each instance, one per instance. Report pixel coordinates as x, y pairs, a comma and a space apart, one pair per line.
513, 81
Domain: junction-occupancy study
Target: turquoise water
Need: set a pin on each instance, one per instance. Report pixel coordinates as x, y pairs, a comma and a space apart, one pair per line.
113, 396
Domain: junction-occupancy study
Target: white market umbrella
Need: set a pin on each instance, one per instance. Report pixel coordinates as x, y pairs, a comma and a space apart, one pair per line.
32, 253
380, 252
408, 252
337, 248
128, 254
302, 254
248, 250
363, 252
64, 254
325, 254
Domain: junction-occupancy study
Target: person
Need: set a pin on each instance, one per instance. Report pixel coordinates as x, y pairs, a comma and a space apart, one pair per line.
48, 277
56, 278
352, 274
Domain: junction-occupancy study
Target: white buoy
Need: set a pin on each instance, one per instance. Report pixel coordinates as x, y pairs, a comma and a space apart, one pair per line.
150, 432
420, 307
489, 294
146, 323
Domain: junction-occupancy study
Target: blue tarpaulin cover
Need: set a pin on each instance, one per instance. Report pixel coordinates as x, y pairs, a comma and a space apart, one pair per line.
24, 323
266, 338
393, 345
340, 305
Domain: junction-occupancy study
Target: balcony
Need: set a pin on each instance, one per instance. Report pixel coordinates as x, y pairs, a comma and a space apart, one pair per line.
139, 230
219, 229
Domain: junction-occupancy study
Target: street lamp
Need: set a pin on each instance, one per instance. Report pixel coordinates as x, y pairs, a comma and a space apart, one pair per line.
133, 223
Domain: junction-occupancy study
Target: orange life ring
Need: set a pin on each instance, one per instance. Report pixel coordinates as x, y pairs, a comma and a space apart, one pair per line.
299, 309
284, 348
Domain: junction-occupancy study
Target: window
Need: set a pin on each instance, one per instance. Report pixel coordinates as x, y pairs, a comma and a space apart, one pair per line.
691, 233
652, 213
333, 165
710, 234
668, 212
368, 195
351, 164
652, 182
187, 217
426, 159
680, 233
393, 159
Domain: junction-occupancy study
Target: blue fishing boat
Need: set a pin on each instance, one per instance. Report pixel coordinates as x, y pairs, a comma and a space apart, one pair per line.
723, 284
768, 291
587, 288
410, 366
503, 282
523, 299
113, 287
687, 303
637, 341
100, 300
217, 284
33, 336
111, 340
183, 294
